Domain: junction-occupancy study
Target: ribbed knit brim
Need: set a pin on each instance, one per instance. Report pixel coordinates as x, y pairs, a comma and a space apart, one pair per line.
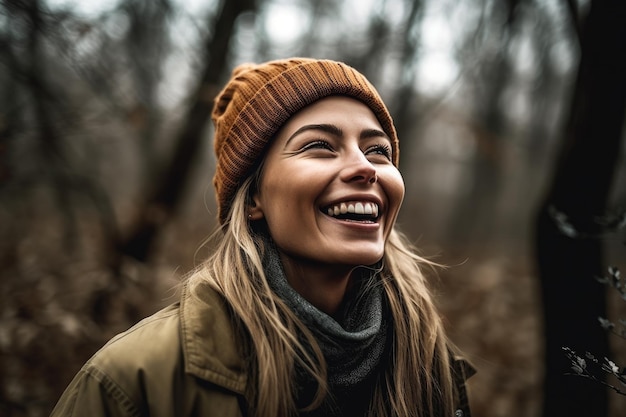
259, 99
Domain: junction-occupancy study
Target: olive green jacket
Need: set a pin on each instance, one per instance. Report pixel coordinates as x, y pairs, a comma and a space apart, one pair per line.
182, 361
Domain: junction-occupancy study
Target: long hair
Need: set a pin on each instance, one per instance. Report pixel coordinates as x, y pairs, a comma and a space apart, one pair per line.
418, 381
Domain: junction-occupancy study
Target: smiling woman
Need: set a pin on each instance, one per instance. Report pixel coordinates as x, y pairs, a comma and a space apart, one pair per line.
311, 304
330, 156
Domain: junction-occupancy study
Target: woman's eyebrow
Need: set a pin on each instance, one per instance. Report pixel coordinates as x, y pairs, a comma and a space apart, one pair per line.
374, 133
336, 131
328, 128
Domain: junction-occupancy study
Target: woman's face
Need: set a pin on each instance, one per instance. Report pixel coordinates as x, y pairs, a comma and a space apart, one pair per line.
329, 191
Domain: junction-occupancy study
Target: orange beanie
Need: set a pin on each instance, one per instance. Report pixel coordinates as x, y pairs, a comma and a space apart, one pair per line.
258, 100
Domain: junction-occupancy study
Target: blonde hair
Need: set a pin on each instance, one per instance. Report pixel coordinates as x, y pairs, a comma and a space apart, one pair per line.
418, 381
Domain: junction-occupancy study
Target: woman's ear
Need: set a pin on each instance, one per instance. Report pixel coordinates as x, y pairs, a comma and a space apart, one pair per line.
255, 211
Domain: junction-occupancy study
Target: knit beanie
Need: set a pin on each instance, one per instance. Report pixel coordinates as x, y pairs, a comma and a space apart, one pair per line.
259, 99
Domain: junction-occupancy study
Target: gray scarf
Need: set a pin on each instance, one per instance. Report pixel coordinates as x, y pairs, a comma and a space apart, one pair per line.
353, 346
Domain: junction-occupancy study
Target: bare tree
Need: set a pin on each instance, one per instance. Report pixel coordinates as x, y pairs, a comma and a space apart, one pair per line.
169, 184
488, 78
569, 254
67, 81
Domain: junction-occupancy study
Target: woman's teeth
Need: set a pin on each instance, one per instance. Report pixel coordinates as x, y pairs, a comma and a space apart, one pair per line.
353, 207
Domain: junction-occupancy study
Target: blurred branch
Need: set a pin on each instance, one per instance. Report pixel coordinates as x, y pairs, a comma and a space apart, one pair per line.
170, 184
42, 97
580, 367
29, 70
572, 6
146, 43
377, 33
405, 93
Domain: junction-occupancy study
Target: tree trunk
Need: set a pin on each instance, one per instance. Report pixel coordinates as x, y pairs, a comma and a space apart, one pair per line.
170, 185
568, 262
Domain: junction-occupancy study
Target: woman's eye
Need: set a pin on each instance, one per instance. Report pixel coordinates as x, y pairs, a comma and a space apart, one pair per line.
317, 144
381, 149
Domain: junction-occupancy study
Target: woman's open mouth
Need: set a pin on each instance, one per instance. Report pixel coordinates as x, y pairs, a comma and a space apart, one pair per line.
358, 211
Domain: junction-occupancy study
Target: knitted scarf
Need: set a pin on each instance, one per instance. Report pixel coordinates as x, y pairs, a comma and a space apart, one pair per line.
353, 346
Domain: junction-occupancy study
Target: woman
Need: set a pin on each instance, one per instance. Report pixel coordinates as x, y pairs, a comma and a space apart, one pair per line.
311, 303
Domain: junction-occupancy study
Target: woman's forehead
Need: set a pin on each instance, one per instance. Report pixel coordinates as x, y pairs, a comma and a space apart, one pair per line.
333, 113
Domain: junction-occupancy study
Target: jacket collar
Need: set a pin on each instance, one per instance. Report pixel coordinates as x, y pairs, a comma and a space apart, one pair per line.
211, 350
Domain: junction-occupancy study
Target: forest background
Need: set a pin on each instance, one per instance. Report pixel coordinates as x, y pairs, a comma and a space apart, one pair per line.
511, 120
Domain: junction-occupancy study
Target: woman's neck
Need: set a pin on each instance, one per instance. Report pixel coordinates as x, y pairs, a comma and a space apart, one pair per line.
324, 286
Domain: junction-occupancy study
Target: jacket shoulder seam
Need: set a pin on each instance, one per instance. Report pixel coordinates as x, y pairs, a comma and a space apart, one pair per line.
112, 388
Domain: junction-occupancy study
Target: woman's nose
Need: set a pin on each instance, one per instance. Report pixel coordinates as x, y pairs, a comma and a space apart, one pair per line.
357, 168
